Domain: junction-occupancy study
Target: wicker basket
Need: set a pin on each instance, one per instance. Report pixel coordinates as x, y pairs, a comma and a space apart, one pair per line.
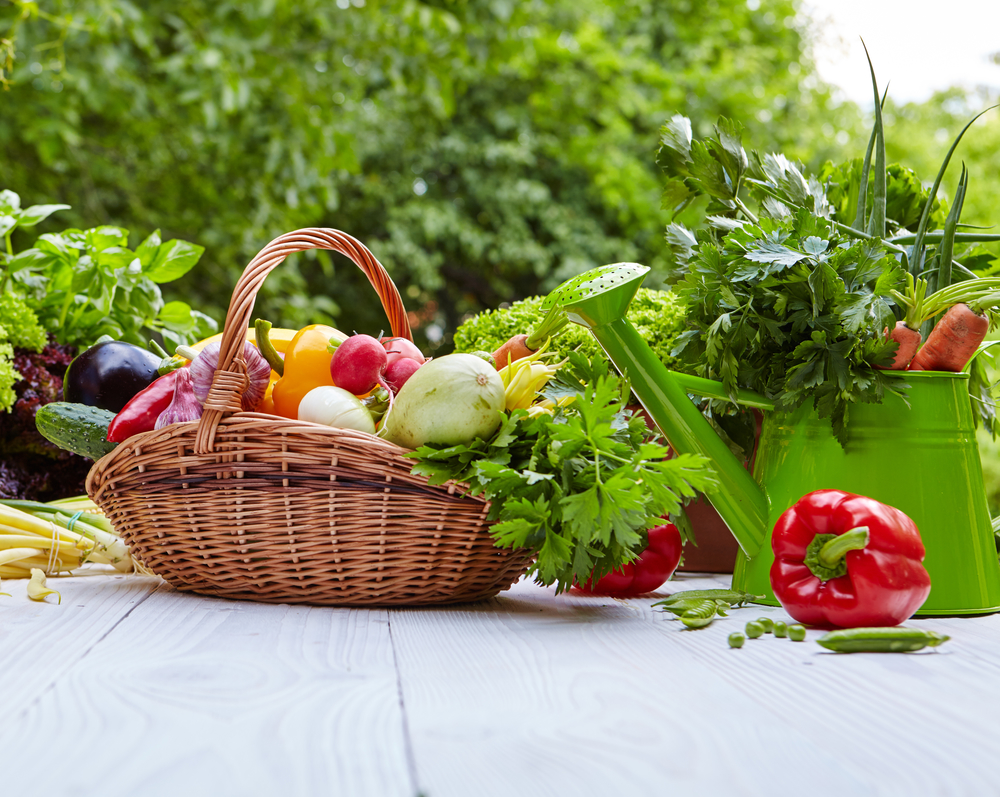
257, 507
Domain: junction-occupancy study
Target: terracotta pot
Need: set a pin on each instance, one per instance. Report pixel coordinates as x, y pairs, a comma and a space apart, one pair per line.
716, 550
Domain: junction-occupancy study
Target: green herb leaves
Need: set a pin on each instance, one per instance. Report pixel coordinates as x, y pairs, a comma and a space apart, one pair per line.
86, 283
579, 487
790, 309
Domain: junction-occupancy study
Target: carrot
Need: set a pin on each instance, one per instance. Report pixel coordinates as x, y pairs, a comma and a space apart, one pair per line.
521, 346
953, 341
908, 340
513, 349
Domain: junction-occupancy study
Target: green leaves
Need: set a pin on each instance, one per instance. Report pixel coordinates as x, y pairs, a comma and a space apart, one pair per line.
12, 216
579, 487
171, 260
86, 283
790, 309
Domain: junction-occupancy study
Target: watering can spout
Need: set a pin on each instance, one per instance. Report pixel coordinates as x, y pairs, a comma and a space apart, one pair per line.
598, 300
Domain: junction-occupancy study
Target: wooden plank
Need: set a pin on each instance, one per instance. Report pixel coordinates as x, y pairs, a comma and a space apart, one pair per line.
40, 642
579, 695
910, 724
201, 695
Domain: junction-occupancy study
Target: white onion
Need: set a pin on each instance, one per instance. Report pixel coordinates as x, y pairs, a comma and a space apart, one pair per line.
334, 406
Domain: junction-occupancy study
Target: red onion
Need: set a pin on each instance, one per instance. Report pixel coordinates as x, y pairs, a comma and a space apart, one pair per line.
203, 368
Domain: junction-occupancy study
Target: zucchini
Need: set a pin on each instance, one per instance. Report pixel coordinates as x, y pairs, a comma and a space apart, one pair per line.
76, 427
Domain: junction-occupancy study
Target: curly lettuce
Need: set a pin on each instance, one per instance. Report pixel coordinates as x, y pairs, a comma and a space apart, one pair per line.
659, 316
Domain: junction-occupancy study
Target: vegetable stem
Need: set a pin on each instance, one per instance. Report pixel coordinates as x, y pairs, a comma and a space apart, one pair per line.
834, 550
262, 330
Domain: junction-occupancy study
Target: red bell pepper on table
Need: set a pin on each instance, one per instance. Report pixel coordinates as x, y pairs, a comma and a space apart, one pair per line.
846, 560
652, 567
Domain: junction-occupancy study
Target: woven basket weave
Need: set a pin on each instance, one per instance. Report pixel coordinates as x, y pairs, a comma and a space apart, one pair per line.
252, 506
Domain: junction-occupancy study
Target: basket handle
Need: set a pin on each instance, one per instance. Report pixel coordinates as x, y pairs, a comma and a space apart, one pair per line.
231, 376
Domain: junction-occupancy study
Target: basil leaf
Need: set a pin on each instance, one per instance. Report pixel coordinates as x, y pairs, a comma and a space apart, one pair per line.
173, 259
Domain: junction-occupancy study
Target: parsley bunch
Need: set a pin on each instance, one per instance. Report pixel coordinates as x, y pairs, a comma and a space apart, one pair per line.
579, 487
793, 310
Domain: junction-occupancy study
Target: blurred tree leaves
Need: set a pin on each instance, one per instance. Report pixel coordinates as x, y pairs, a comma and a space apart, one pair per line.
484, 151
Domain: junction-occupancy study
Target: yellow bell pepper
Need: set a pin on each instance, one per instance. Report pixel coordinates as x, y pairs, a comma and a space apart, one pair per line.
280, 338
307, 365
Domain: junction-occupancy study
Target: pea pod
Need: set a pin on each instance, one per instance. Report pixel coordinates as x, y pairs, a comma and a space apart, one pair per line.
734, 597
880, 640
700, 614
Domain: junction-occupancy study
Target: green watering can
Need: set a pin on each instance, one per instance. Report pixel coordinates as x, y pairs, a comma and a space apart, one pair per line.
922, 459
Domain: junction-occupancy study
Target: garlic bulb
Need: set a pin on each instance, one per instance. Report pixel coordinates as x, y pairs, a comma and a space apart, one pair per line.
184, 406
203, 368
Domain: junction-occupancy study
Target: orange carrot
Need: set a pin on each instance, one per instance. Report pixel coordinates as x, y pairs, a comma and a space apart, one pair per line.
908, 340
953, 341
514, 349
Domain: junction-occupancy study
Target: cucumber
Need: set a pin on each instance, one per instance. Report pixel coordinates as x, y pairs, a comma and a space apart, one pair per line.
76, 427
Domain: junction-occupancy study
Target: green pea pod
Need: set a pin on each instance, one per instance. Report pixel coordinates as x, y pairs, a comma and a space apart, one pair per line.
696, 621
734, 597
700, 615
684, 606
880, 640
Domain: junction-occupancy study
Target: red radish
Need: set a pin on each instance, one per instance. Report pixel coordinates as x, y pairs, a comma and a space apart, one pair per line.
358, 364
398, 371
397, 348
953, 341
908, 340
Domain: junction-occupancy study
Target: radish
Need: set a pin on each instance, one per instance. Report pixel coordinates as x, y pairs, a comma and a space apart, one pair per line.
359, 364
399, 370
400, 348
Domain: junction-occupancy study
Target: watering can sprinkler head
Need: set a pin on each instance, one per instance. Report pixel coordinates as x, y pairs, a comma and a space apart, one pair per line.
599, 296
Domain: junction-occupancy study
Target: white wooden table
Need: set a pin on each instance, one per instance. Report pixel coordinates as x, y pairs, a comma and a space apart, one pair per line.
130, 688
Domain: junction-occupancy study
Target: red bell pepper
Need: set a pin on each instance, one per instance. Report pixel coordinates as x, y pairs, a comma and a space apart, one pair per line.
140, 414
653, 566
846, 560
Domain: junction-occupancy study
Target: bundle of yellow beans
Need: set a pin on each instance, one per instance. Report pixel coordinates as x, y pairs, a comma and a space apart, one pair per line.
523, 379
57, 537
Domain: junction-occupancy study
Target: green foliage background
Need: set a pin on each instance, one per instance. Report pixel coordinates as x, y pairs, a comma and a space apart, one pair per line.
485, 151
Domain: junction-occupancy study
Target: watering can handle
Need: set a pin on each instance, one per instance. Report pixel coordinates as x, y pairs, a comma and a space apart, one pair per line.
709, 388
